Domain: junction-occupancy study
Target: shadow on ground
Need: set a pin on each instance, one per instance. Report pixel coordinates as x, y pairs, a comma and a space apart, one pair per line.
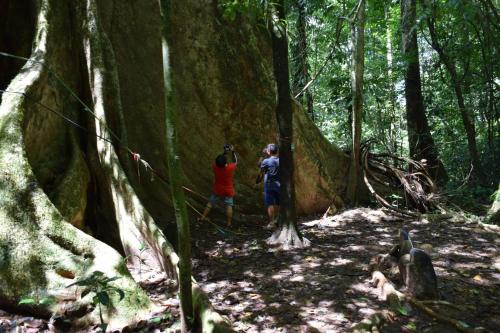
325, 288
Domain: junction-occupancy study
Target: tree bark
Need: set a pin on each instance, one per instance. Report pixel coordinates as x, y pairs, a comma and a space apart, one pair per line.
287, 215
467, 117
46, 248
357, 43
420, 140
392, 139
299, 55
175, 175
61, 177
494, 212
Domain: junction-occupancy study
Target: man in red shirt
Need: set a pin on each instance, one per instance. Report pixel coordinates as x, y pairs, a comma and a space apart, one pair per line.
223, 188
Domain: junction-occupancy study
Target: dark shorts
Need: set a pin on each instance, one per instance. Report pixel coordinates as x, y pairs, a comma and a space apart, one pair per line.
272, 196
228, 201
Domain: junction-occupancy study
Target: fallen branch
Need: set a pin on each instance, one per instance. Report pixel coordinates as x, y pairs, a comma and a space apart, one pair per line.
437, 302
459, 325
418, 188
490, 227
395, 298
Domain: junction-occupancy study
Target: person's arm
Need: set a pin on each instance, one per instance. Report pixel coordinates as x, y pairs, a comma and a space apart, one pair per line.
262, 158
235, 159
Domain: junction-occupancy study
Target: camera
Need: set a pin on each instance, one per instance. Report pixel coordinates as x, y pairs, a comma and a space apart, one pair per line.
227, 147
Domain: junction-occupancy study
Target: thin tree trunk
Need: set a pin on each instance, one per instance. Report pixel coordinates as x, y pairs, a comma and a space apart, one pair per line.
467, 118
358, 63
175, 177
420, 140
288, 235
392, 140
301, 73
394, 118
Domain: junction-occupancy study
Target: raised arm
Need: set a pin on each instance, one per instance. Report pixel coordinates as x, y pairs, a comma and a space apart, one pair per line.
229, 148
235, 159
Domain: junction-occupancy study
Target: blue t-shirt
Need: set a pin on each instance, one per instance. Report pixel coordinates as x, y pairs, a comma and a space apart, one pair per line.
271, 167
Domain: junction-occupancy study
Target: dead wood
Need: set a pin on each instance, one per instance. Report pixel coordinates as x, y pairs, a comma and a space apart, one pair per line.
418, 188
395, 298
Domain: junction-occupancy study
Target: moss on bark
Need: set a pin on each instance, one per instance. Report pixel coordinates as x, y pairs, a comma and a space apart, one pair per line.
53, 175
39, 250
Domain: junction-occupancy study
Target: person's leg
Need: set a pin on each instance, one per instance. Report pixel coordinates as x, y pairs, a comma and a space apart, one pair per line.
211, 201
276, 205
270, 213
229, 214
229, 203
269, 202
273, 209
208, 207
276, 214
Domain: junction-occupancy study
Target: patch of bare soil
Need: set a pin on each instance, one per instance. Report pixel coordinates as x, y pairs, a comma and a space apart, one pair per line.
326, 287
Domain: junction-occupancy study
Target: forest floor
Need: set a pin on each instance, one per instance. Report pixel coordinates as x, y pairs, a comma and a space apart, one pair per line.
326, 287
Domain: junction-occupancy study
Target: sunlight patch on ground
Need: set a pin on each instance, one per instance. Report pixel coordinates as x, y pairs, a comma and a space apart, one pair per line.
297, 278
340, 261
356, 247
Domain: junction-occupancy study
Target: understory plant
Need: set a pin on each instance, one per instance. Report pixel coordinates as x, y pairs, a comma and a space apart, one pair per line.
99, 284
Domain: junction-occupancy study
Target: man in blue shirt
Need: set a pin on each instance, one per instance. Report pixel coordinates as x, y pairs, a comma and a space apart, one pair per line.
271, 169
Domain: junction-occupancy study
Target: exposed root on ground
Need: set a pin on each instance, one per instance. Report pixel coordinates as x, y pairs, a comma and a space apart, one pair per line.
396, 300
288, 238
418, 188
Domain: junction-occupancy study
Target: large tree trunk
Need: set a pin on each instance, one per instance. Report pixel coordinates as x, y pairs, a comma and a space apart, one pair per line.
467, 117
40, 249
357, 46
420, 139
494, 212
59, 180
288, 234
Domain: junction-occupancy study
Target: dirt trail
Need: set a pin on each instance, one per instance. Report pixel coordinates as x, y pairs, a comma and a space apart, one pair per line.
326, 288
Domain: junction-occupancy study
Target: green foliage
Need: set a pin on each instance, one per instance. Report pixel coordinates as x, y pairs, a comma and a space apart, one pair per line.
143, 247
232, 8
45, 301
467, 29
99, 284
37, 298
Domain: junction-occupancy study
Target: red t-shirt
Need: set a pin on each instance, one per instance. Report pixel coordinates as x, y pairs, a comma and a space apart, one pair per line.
223, 184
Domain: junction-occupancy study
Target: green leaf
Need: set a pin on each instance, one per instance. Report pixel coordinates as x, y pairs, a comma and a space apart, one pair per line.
114, 278
26, 301
103, 298
82, 282
411, 326
155, 320
121, 293
103, 327
95, 300
402, 310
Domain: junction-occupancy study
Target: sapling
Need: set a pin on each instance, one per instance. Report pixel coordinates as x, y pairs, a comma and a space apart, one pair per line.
99, 284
